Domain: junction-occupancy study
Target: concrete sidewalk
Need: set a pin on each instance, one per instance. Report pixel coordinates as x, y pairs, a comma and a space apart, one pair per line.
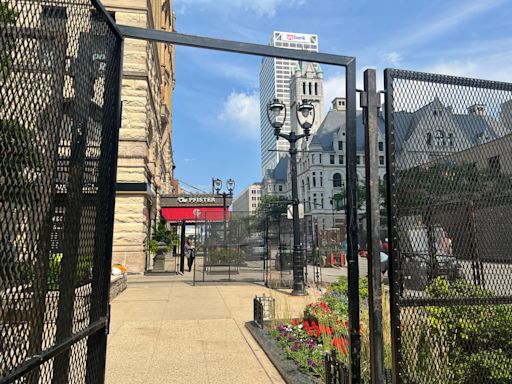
164, 330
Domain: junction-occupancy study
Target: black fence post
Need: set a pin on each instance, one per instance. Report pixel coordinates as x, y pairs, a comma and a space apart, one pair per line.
373, 223
81, 111
104, 223
352, 227
182, 246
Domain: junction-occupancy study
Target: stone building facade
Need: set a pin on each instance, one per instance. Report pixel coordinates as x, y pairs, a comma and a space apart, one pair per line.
435, 131
321, 166
248, 200
145, 165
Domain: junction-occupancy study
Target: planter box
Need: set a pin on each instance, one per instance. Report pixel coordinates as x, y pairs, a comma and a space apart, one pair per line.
286, 367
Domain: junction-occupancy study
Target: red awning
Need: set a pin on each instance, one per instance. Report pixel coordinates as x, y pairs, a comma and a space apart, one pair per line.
187, 213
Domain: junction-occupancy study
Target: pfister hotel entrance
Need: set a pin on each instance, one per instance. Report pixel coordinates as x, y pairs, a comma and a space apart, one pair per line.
188, 215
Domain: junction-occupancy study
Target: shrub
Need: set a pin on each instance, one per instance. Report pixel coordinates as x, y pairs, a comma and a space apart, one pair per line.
475, 340
162, 234
224, 256
341, 287
83, 271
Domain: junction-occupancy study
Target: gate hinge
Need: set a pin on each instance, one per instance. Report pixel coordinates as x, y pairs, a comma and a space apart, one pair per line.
363, 99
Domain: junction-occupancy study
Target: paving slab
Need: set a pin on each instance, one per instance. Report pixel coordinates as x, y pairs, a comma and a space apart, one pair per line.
165, 330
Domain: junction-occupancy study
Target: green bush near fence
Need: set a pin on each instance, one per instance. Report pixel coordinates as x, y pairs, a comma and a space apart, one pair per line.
83, 271
224, 256
475, 340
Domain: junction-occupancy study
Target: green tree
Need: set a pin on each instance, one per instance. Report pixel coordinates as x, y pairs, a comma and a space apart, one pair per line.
272, 206
444, 182
340, 198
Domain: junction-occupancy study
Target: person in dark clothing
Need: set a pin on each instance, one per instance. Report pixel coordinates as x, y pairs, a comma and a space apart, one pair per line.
190, 252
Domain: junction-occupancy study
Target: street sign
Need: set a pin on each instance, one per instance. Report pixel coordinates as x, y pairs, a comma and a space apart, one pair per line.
290, 211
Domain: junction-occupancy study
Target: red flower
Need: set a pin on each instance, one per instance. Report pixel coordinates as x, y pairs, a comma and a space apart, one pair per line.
340, 343
326, 330
308, 329
295, 322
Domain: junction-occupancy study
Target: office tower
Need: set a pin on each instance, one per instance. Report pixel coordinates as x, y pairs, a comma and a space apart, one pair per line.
275, 75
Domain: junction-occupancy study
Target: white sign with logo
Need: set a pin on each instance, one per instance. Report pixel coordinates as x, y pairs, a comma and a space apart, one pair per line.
290, 211
187, 200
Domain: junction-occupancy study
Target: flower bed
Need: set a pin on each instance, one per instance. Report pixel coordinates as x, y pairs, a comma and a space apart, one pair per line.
323, 328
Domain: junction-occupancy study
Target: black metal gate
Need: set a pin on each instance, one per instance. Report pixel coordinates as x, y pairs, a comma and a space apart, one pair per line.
449, 167
59, 120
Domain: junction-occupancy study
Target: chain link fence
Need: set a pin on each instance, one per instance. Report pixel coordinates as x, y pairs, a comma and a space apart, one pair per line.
450, 169
59, 117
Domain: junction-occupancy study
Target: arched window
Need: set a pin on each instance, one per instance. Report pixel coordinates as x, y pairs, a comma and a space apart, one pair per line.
310, 90
451, 143
336, 180
308, 184
316, 88
439, 138
303, 187
429, 139
303, 88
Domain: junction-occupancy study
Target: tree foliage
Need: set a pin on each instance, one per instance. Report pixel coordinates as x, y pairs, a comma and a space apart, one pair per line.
340, 199
425, 185
272, 206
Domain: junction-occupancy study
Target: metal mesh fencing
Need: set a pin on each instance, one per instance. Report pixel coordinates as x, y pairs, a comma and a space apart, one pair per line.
249, 247
230, 250
59, 118
449, 143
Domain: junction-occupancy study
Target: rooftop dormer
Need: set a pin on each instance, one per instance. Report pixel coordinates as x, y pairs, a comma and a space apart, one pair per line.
339, 104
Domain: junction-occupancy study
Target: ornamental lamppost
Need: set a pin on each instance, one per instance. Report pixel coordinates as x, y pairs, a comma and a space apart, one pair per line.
217, 185
276, 114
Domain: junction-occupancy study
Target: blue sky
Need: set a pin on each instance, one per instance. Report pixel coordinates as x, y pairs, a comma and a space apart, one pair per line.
216, 100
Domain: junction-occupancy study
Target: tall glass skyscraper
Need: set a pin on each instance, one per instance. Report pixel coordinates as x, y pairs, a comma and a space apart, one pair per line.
275, 77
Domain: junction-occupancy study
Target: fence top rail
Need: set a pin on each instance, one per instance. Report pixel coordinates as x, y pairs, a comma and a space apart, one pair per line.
108, 18
232, 46
447, 79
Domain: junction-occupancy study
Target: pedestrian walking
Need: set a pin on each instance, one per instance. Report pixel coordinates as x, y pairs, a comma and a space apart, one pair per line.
190, 252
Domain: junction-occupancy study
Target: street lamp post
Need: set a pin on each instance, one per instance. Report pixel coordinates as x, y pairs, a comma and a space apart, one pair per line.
230, 184
276, 114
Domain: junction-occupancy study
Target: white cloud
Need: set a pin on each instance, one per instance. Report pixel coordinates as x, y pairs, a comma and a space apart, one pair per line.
489, 67
188, 160
241, 114
334, 86
259, 7
392, 58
